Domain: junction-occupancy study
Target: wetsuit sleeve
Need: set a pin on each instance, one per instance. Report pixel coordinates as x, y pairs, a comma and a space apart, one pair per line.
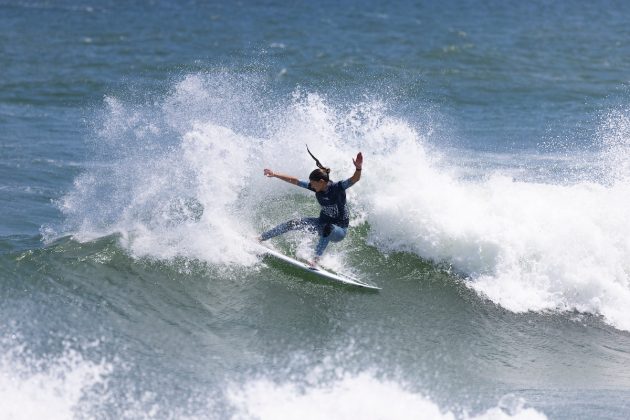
303, 184
346, 184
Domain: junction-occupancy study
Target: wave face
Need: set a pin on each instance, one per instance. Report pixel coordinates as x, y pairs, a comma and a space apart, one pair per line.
177, 178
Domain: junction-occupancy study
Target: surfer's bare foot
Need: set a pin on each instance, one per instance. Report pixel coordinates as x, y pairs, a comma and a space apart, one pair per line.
313, 263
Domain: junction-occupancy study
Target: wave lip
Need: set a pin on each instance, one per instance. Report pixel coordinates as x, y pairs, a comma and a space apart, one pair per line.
527, 246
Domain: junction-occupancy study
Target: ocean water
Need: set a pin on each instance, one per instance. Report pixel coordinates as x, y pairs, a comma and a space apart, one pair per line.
492, 210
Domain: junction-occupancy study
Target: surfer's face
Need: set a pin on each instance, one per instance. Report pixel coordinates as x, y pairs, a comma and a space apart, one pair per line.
319, 185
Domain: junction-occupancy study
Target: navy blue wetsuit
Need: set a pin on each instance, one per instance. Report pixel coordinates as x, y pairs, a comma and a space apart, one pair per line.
333, 202
334, 217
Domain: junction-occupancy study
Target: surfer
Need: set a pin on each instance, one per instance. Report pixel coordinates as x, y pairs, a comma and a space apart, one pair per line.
334, 218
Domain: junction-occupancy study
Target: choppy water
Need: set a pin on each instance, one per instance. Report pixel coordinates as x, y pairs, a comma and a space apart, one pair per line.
492, 210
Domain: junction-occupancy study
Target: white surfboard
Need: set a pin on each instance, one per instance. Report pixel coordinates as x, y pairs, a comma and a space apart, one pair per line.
318, 271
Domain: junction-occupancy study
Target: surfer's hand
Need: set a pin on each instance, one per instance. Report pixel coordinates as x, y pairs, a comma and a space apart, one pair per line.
269, 173
358, 162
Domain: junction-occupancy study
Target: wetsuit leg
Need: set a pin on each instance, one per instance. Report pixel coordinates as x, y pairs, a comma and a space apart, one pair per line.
336, 234
310, 224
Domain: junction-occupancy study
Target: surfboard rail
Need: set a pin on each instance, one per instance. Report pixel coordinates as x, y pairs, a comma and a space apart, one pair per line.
318, 271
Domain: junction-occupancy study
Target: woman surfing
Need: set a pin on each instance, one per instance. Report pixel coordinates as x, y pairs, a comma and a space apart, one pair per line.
334, 217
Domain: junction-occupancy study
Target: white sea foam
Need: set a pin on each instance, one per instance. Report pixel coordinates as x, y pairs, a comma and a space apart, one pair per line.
527, 246
69, 386
167, 198
48, 389
360, 396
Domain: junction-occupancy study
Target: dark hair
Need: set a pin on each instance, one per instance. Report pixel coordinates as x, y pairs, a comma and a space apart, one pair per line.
318, 174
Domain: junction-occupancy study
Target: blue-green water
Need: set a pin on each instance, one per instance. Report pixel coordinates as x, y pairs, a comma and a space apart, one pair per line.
492, 210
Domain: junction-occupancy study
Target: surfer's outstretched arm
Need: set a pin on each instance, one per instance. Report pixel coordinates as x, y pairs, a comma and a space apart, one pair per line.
287, 178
